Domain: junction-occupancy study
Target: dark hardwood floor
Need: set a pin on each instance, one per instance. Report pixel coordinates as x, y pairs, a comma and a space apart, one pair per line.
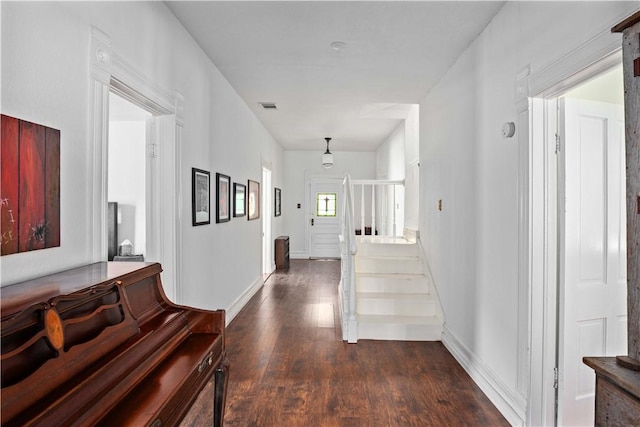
290, 367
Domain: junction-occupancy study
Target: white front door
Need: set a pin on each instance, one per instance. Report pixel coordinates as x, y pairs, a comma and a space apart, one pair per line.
325, 201
593, 317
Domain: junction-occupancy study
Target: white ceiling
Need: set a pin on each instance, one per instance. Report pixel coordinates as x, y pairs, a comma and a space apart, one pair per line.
394, 53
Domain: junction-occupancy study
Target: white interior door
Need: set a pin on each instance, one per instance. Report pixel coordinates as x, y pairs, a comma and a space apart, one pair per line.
593, 319
325, 201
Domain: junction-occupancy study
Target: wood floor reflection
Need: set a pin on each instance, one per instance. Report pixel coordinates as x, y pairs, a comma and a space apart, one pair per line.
290, 367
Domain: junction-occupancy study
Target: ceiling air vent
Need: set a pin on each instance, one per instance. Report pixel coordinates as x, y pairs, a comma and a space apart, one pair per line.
268, 105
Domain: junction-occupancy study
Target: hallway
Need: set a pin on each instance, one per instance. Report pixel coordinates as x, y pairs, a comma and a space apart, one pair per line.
290, 367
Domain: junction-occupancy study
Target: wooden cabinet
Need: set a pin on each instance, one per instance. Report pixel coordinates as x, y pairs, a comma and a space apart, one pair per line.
617, 392
282, 252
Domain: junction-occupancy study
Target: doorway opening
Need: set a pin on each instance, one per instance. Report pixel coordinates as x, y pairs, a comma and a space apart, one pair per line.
581, 129
592, 288
111, 74
127, 182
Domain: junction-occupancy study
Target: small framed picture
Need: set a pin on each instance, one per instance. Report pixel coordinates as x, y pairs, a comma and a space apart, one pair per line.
253, 202
239, 199
223, 188
277, 198
200, 193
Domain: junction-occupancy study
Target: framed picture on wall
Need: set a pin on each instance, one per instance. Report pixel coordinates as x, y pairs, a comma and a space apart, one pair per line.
30, 182
200, 191
239, 199
253, 202
223, 189
277, 196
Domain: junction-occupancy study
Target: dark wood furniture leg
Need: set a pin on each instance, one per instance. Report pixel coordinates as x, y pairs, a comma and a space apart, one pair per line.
220, 391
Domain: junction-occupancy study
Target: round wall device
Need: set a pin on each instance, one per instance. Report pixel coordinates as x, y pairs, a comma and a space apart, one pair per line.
508, 129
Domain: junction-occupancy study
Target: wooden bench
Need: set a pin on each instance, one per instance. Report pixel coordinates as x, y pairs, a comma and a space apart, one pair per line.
102, 345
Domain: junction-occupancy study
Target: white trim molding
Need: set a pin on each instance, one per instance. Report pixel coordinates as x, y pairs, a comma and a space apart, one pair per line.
560, 74
524, 232
299, 255
110, 72
242, 300
509, 402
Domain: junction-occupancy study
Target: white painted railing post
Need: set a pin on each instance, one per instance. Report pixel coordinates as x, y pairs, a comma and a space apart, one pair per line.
393, 209
362, 209
384, 211
348, 251
373, 210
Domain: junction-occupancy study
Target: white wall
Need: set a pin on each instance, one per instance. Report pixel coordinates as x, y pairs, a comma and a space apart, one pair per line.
45, 79
361, 165
472, 244
390, 165
390, 156
412, 168
398, 159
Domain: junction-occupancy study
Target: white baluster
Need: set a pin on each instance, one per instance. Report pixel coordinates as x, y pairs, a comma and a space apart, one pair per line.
362, 208
384, 209
373, 210
394, 211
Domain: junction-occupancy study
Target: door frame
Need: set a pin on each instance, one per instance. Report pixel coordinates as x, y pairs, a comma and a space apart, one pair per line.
110, 72
310, 179
543, 260
268, 262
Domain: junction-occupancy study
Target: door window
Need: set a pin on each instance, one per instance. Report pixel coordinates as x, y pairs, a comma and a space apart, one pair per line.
326, 204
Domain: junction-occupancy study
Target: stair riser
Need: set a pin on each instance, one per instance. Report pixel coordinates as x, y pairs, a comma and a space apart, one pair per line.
369, 249
388, 265
399, 332
398, 285
386, 307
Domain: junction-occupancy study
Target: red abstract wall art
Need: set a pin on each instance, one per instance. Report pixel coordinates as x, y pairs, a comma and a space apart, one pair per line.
29, 186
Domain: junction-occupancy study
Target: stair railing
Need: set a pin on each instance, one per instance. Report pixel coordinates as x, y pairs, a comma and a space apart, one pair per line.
348, 250
385, 192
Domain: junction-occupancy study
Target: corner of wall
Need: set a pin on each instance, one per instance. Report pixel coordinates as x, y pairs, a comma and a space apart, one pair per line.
243, 299
509, 403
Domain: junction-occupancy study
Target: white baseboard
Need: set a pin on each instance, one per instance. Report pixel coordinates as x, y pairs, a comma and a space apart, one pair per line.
242, 300
508, 402
299, 255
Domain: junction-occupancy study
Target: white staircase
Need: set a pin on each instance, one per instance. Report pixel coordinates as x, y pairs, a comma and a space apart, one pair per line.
394, 298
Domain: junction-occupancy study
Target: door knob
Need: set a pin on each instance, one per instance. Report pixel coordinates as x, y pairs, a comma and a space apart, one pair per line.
312, 221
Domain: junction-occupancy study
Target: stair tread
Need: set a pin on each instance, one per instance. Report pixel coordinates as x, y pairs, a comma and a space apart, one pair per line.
378, 318
395, 295
389, 257
384, 241
392, 275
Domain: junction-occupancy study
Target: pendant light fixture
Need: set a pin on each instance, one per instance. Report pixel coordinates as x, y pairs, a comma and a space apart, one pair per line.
327, 157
